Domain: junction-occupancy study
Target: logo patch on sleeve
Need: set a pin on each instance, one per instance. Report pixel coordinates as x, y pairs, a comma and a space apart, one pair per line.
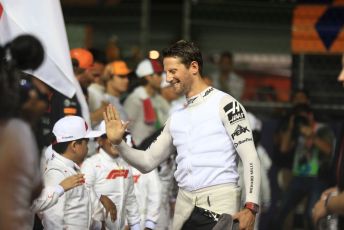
234, 112
239, 130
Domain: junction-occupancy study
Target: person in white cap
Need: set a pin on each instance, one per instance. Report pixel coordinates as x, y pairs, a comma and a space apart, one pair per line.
208, 135
140, 105
108, 174
78, 208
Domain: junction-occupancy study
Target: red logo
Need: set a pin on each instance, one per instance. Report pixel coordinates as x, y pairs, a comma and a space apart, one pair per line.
1, 10
118, 173
136, 178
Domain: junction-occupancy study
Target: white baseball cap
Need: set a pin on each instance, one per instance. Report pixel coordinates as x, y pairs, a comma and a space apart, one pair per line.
148, 67
101, 128
72, 128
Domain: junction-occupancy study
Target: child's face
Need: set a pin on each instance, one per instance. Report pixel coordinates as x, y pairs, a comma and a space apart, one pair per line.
108, 147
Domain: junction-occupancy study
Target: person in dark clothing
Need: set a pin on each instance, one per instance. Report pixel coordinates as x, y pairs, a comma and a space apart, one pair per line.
332, 199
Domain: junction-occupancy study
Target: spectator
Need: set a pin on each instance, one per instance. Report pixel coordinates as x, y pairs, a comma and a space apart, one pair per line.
313, 144
331, 200
117, 85
140, 106
226, 79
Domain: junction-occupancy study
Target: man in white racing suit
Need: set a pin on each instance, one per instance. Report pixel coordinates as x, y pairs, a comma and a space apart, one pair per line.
208, 134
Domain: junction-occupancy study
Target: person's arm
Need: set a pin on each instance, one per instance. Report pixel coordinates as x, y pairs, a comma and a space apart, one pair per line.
327, 205
131, 205
287, 141
88, 168
234, 119
53, 217
50, 195
144, 161
323, 139
153, 200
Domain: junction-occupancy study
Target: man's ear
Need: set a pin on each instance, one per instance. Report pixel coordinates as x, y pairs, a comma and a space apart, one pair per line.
194, 67
73, 145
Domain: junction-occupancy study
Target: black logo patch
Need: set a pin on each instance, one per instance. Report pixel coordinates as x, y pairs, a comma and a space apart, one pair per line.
191, 100
234, 112
208, 92
239, 130
242, 142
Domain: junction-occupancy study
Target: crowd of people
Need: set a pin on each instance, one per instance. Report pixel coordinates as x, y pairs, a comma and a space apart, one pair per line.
162, 149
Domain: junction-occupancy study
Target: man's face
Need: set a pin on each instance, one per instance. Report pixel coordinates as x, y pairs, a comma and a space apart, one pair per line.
119, 83
97, 70
225, 64
341, 75
85, 78
178, 75
106, 145
155, 81
81, 150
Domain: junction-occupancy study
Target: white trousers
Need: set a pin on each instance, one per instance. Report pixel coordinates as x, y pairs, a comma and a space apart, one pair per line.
224, 198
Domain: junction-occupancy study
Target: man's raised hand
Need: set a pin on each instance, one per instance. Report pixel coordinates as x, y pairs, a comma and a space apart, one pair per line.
115, 128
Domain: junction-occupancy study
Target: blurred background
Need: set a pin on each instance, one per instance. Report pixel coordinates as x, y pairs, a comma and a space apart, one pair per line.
277, 45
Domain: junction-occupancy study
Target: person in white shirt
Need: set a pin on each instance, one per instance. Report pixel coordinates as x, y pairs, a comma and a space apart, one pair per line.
117, 85
148, 191
208, 135
148, 195
140, 104
108, 174
226, 79
78, 208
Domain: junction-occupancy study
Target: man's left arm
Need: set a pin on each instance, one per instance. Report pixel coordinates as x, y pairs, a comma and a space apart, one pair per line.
235, 121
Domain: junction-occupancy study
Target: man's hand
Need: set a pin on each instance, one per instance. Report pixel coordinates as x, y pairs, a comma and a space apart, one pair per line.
319, 211
114, 127
72, 182
109, 206
246, 219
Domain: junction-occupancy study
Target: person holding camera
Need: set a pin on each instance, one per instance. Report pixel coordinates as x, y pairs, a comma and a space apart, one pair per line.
312, 143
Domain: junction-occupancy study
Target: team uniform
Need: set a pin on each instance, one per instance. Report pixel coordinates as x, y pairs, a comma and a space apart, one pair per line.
79, 208
148, 194
112, 177
208, 134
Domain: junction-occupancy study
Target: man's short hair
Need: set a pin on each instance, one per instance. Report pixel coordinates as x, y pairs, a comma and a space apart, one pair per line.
186, 51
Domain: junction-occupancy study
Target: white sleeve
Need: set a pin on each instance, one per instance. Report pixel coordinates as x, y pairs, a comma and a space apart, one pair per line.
48, 197
153, 199
131, 205
53, 217
235, 120
146, 161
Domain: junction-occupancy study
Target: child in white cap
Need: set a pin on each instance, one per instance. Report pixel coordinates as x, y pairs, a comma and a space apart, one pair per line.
108, 174
77, 208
